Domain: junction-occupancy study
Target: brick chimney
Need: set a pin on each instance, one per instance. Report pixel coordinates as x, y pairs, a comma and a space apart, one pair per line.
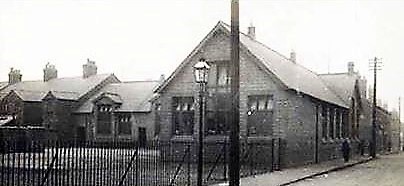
351, 68
293, 56
49, 72
162, 78
251, 32
89, 69
14, 76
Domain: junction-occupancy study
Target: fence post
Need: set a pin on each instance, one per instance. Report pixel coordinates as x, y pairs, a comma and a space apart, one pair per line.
251, 158
137, 164
225, 160
189, 165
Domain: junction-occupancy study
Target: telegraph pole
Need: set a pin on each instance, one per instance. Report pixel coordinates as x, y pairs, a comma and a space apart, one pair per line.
234, 164
375, 66
399, 123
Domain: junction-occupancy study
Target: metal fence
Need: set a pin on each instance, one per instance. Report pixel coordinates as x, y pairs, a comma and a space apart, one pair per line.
40, 163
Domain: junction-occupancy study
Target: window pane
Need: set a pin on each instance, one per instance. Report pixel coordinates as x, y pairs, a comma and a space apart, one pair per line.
331, 125
183, 115
262, 103
270, 103
222, 75
252, 103
259, 123
124, 128
324, 120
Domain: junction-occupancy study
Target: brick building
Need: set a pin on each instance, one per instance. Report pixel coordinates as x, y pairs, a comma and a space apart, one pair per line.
50, 102
119, 112
279, 99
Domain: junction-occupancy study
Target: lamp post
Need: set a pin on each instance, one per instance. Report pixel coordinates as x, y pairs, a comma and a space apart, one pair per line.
201, 72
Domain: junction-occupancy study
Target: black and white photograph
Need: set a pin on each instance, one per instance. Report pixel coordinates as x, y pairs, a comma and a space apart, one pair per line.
201, 92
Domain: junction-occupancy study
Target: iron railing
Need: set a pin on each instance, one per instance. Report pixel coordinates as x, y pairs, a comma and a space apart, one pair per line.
56, 163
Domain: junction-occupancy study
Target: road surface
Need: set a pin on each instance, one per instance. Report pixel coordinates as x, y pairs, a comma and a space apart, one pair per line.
384, 171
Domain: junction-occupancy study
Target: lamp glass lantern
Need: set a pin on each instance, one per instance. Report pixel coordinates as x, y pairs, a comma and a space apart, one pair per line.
201, 71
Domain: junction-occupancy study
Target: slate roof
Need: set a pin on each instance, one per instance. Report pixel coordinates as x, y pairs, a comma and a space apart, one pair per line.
134, 96
291, 74
3, 84
342, 83
71, 88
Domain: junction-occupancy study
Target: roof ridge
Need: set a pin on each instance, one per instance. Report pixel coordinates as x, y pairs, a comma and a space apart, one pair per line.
334, 73
297, 65
22, 90
138, 81
39, 80
269, 48
63, 91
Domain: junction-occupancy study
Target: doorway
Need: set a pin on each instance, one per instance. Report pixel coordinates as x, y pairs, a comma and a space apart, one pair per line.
81, 134
142, 137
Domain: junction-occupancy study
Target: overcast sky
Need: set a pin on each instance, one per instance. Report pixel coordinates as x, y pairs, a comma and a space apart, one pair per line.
140, 40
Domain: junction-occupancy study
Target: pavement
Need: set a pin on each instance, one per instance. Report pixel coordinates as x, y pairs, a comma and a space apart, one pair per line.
293, 175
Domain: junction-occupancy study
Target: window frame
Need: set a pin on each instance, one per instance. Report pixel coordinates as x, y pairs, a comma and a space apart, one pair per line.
179, 116
122, 119
253, 107
106, 112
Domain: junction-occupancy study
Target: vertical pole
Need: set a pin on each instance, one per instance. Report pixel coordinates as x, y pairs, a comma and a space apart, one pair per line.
188, 166
373, 152
316, 135
234, 164
200, 140
399, 124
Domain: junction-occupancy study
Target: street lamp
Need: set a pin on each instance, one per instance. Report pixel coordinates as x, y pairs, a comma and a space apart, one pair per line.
201, 72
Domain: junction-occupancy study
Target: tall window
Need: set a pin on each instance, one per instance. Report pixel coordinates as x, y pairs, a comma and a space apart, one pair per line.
218, 114
345, 124
338, 123
332, 123
260, 115
124, 124
357, 117
104, 120
223, 76
324, 122
183, 115
353, 118
157, 121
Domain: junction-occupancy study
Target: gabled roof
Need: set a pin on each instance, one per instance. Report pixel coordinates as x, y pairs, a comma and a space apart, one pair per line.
63, 95
292, 75
134, 96
71, 88
3, 84
28, 95
115, 98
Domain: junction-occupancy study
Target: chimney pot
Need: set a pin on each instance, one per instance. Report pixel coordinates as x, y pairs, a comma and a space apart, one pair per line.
251, 32
49, 72
14, 76
89, 69
162, 78
293, 56
351, 68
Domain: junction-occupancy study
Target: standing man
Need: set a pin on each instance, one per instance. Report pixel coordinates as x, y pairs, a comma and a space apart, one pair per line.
345, 150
